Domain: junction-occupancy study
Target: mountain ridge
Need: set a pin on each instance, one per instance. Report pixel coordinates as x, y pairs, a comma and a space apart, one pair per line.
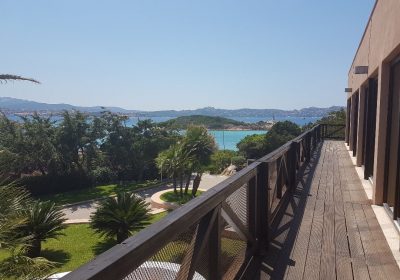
15, 105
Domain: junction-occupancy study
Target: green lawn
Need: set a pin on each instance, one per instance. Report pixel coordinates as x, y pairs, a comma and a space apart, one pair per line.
171, 196
80, 244
95, 192
77, 246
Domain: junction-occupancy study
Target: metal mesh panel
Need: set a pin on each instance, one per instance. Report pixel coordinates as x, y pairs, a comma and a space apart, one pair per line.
233, 246
172, 258
233, 250
238, 202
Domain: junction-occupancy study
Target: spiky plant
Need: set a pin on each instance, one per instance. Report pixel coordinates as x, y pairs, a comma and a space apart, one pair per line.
24, 268
44, 220
17, 266
7, 77
120, 216
12, 203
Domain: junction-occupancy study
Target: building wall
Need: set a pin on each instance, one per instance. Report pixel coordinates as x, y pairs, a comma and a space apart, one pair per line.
380, 42
379, 45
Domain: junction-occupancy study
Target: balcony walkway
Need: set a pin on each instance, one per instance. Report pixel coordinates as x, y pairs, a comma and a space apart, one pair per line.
328, 229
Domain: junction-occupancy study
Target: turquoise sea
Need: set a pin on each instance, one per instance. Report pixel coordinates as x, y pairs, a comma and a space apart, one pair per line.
227, 140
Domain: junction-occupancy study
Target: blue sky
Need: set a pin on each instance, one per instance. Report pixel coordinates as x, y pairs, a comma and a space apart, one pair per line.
152, 55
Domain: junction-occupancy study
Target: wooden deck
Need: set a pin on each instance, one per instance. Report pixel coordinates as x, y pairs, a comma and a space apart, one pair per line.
328, 229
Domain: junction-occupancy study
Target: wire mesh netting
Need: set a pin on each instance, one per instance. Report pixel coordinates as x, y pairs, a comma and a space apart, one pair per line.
168, 261
238, 202
178, 257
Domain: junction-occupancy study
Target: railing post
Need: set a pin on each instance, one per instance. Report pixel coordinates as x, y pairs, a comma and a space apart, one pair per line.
279, 178
314, 137
252, 206
292, 162
319, 133
263, 221
258, 221
215, 248
308, 146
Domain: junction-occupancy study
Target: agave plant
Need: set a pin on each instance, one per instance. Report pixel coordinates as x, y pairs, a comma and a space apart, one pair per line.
7, 77
44, 220
120, 216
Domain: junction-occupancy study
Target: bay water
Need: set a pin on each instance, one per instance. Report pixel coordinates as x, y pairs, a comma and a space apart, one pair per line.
228, 139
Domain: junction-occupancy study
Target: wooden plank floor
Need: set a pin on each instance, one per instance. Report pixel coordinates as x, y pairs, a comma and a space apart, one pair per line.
328, 229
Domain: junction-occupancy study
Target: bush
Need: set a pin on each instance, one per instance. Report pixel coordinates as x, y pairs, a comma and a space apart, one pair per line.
51, 184
239, 161
220, 160
102, 175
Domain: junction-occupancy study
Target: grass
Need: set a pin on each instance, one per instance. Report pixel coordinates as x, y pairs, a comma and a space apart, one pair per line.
77, 246
95, 192
80, 244
171, 196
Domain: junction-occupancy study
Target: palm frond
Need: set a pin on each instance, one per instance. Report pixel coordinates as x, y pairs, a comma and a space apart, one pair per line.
120, 216
7, 77
23, 267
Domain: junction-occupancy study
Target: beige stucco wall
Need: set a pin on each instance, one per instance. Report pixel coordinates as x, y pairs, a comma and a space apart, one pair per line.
381, 41
379, 45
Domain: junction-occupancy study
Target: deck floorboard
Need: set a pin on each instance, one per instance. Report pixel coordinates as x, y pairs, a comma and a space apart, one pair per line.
329, 230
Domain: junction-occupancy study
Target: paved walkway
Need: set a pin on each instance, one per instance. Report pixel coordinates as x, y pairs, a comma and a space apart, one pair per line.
328, 229
80, 213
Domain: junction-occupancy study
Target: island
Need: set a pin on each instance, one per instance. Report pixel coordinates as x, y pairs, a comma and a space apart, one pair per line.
215, 123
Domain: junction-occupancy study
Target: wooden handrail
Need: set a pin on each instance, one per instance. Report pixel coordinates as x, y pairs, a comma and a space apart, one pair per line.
124, 258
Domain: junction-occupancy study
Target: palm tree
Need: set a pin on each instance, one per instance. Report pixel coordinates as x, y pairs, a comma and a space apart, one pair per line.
12, 203
120, 216
7, 77
176, 163
44, 220
199, 145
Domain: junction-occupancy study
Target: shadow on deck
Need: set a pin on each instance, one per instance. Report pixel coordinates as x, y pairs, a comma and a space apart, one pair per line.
327, 229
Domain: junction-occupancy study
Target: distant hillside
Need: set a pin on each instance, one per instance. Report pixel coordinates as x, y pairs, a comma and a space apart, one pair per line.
266, 113
14, 105
20, 105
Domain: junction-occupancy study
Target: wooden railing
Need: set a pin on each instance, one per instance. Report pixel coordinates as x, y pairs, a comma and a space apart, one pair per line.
333, 131
222, 234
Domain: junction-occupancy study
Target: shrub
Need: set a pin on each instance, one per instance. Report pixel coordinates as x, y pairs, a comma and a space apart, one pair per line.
221, 160
103, 175
50, 184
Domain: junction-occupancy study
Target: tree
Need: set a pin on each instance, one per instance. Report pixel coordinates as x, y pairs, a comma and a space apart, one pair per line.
334, 117
256, 146
149, 140
72, 140
27, 146
175, 163
253, 146
192, 154
44, 220
120, 216
199, 146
